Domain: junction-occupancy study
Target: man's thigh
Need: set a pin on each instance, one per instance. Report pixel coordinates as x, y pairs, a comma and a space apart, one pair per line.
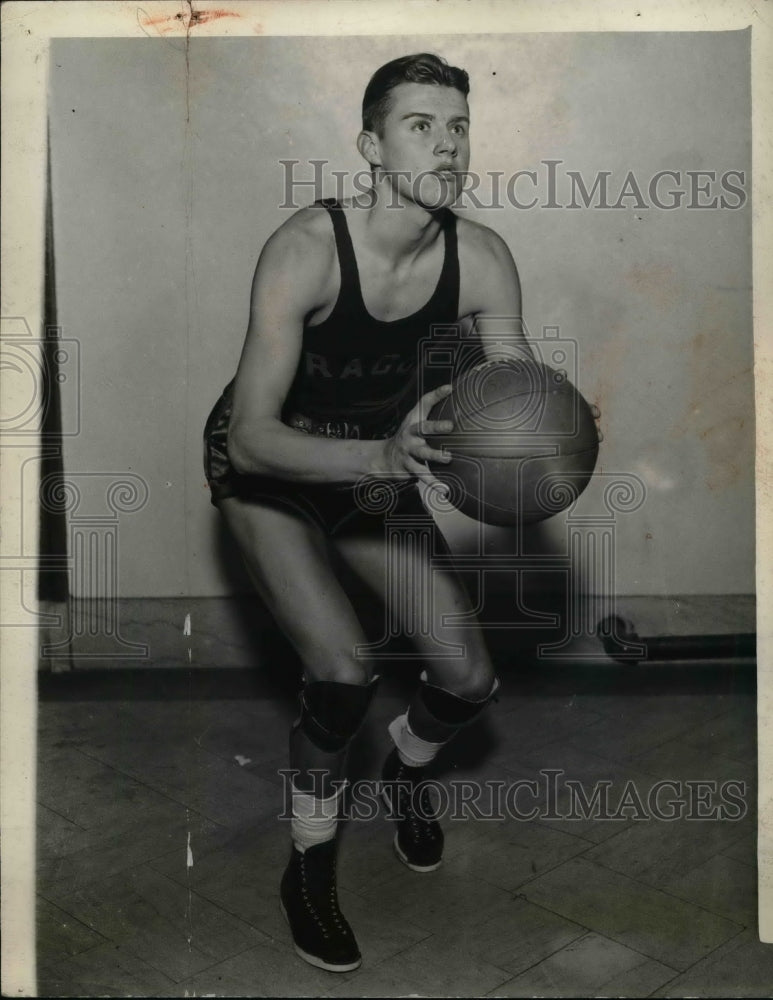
288, 559
423, 597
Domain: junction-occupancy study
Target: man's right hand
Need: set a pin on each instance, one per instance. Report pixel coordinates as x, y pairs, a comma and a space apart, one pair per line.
406, 453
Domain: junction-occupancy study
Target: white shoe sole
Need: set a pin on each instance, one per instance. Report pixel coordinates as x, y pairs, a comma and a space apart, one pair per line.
314, 960
410, 864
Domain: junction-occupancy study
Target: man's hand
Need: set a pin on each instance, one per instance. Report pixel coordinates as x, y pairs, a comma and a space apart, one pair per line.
596, 414
405, 454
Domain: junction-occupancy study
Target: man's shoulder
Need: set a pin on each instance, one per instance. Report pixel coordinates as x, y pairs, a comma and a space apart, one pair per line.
489, 277
307, 233
479, 240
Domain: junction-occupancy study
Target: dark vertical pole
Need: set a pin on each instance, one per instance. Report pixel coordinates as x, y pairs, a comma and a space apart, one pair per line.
52, 582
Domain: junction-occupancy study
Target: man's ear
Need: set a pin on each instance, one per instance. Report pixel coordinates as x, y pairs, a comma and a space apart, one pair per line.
369, 149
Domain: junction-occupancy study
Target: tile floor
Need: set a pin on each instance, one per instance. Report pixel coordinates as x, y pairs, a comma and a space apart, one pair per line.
160, 851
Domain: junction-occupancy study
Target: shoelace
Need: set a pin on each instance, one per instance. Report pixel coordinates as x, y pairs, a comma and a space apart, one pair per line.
335, 911
427, 819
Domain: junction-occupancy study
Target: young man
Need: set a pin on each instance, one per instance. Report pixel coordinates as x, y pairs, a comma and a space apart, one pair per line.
325, 400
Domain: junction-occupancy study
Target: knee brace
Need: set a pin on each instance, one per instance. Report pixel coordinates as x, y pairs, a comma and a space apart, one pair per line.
436, 715
332, 712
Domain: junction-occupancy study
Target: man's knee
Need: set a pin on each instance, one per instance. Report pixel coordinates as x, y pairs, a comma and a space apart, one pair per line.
479, 685
436, 713
333, 711
323, 661
471, 678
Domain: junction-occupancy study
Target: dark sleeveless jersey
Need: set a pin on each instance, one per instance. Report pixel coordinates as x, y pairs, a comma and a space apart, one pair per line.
357, 376
358, 373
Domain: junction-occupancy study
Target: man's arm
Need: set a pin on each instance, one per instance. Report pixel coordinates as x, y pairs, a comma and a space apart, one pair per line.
490, 297
490, 293
289, 284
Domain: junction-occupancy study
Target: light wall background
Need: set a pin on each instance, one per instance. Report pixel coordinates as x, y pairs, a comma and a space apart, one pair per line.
166, 184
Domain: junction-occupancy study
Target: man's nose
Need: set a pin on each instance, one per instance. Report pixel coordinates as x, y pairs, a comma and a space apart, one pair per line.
446, 144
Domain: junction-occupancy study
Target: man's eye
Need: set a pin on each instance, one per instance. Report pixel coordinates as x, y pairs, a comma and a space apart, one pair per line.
420, 126
459, 129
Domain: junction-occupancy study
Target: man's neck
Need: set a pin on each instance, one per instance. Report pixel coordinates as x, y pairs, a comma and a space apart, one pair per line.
399, 229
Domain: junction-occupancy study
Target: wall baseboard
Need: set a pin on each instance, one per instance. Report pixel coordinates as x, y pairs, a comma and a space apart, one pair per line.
207, 632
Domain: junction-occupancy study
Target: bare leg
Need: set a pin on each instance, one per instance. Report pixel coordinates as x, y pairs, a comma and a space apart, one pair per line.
469, 676
288, 560
456, 690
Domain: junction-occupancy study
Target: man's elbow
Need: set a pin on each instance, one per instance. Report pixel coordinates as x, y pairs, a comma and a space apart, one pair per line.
245, 448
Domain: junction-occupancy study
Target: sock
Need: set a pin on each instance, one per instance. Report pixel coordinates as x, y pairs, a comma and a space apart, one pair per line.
314, 820
411, 749
436, 713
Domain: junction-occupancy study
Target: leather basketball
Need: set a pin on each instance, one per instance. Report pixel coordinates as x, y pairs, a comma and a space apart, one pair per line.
524, 442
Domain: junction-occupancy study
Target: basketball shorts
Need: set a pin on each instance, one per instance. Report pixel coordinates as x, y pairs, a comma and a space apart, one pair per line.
336, 508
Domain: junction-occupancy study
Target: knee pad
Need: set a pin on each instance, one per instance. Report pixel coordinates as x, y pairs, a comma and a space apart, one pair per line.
435, 714
332, 712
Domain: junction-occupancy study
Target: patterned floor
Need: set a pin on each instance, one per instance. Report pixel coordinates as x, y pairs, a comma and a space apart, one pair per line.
160, 850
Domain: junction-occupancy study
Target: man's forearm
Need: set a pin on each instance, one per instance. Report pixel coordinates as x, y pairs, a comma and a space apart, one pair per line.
276, 450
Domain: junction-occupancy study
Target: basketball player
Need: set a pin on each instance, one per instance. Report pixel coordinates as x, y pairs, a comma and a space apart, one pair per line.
324, 402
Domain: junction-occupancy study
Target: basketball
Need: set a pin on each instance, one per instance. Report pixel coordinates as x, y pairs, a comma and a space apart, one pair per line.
524, 443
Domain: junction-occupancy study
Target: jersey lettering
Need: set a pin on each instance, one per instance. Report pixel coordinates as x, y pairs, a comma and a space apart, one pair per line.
327, 367
353, 367
384, 364
317, 363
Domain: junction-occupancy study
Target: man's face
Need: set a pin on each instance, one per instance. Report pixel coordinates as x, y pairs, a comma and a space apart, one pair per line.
426, 137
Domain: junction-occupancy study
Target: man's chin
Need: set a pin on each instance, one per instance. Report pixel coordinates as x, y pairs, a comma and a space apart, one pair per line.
430, 191
436, 191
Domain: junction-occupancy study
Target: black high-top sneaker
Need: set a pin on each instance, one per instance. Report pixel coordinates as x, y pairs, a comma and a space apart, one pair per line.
418, 841
309, 902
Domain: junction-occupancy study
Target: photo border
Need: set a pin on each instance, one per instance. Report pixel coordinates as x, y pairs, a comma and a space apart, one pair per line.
27, 28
